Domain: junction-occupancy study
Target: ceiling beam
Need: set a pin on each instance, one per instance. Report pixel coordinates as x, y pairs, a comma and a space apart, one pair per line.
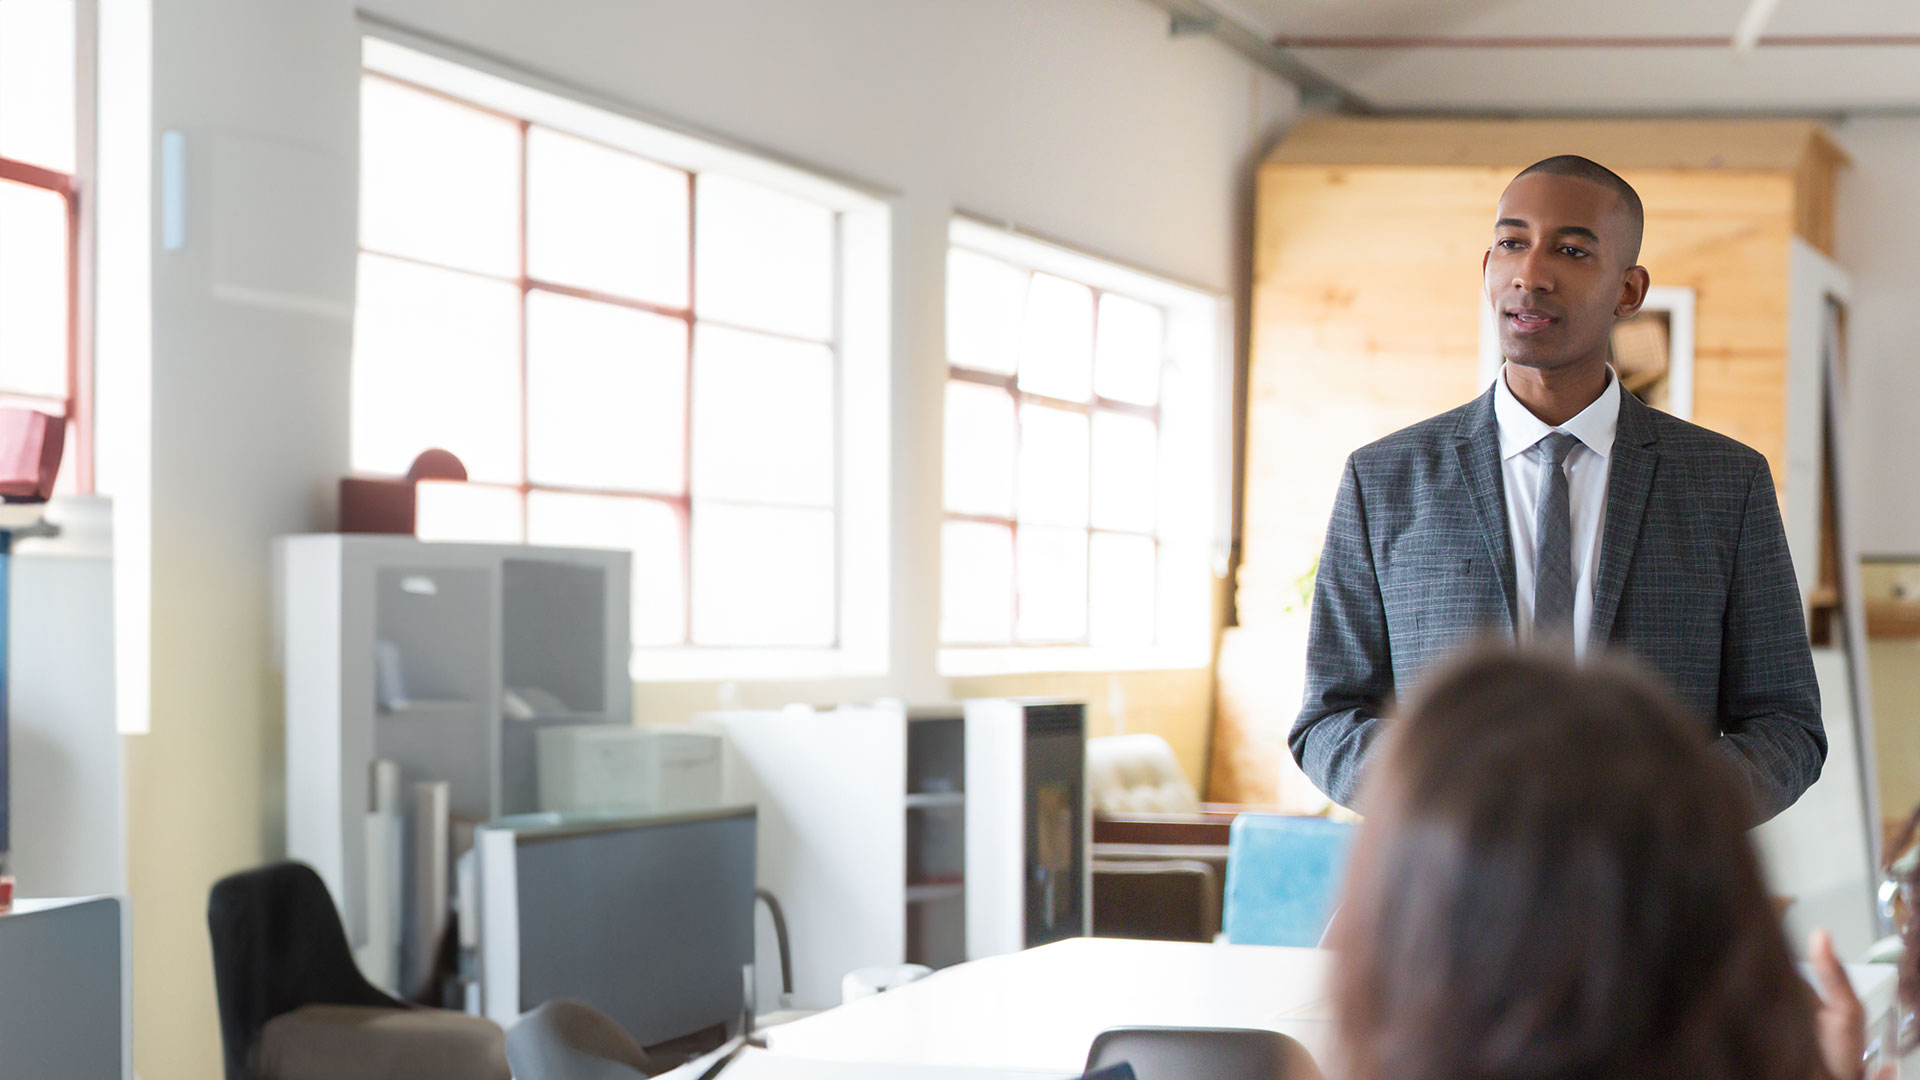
1317, 91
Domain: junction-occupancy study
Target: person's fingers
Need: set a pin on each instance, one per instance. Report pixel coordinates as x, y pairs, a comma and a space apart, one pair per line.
1834, 986
1887, 1072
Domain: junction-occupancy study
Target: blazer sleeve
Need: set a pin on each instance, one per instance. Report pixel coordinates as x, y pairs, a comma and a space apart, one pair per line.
1769, 699
1349, 667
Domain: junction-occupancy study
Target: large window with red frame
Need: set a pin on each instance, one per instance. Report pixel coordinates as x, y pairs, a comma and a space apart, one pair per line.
623, 353
42, 365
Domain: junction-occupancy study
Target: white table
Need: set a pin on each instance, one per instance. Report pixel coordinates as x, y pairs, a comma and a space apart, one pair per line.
1038, 1011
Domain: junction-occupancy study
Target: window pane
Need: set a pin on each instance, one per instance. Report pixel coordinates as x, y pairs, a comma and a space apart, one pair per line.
1056, 339
438, 180
1131, 342
1122, 600
762, 418
646, 527
33, 291
980, 443
606, 396
985, 298
976, 583
605, 220
763, 259
1053, 466
456, 511
1125, 471
37, 83
762, 576
436, 362
1053, 584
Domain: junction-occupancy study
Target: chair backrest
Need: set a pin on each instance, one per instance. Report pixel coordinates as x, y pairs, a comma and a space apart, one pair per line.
564, 1039
1283, 878
278, 945
1137, 773
1156, 900
1174, 1053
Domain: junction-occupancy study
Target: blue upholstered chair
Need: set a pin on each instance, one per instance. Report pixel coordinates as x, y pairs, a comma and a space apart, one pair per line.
1283, 878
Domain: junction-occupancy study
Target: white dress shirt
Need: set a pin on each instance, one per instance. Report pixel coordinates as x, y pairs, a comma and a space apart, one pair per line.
1586, 469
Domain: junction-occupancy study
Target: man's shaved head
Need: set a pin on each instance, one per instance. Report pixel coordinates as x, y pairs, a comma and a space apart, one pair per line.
1592, 171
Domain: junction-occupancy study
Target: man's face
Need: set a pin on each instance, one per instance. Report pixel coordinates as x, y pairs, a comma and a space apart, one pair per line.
1557, 273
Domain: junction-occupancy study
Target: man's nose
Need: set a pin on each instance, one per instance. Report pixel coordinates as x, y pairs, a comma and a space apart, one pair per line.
1530, 274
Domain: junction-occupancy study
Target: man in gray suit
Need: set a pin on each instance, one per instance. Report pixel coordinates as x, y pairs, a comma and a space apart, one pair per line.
1556, 509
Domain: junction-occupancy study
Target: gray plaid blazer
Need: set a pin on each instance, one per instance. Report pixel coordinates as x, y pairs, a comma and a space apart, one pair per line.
1694, 582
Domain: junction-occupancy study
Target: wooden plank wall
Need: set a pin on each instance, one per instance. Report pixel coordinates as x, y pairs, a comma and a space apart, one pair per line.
1366, 301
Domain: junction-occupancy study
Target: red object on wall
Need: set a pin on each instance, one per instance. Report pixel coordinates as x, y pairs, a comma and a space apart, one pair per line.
380, 504
31, 443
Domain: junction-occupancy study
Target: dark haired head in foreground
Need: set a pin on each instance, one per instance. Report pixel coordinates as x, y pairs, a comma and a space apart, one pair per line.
1554, 881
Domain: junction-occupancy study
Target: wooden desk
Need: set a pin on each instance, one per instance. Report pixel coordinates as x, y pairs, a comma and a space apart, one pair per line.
1038, 1011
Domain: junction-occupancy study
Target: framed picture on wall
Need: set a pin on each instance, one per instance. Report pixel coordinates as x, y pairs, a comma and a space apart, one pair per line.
1653, 351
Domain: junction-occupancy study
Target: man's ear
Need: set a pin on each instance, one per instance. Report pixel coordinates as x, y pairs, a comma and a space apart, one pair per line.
1633, 292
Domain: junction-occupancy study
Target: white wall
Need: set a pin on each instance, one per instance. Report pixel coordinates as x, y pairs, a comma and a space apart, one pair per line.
1079, 119
1878, 243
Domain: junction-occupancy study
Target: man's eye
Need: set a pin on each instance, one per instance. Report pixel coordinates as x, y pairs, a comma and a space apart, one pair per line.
1575, 252
1508, 244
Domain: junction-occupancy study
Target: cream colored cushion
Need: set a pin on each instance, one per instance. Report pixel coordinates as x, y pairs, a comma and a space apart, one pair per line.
1137, 774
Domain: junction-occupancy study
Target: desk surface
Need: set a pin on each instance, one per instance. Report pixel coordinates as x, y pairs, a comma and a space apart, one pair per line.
1039, 1010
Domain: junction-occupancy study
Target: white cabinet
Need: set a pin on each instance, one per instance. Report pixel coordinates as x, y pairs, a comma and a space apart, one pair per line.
446, 659
927, 836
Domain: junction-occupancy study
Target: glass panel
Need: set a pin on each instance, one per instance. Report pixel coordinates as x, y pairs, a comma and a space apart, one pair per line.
981, 441
1053, 584
1053, 466
1122, 598
606, 396
439, 181
763, 417
762, 576
648, 528
446, 510
37, 83
1131, 344
436, 362
605, 220
1125, 471
33, 291
976, 583
984, 300
763, 259
1056, 339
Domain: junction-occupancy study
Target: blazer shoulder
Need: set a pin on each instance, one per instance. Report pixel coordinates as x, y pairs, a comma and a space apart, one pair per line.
1709, 447
1417, 439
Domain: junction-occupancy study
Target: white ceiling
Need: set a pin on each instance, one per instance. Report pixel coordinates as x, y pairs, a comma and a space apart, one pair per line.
1597, 77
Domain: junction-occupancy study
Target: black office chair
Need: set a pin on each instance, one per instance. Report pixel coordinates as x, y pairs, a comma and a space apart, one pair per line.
294, 1005
1175, 1053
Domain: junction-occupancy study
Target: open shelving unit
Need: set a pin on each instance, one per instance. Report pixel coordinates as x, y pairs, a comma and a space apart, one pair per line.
446, 659
914, 836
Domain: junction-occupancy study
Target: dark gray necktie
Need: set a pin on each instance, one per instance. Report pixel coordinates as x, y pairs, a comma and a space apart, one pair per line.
1553, 538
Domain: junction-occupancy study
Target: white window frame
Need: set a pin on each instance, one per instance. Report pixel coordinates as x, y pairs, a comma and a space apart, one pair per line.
864, 321
1199, 347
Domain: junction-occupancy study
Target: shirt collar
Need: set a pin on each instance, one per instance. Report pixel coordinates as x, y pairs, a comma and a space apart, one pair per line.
1519, 429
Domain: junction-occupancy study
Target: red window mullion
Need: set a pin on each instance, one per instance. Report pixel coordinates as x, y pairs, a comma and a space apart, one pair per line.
686, 426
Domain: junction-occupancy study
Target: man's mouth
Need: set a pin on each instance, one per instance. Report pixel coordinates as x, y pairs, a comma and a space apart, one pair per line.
1528, 322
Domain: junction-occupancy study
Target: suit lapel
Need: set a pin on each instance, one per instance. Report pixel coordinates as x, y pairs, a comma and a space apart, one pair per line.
1478, 445
1629, 482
